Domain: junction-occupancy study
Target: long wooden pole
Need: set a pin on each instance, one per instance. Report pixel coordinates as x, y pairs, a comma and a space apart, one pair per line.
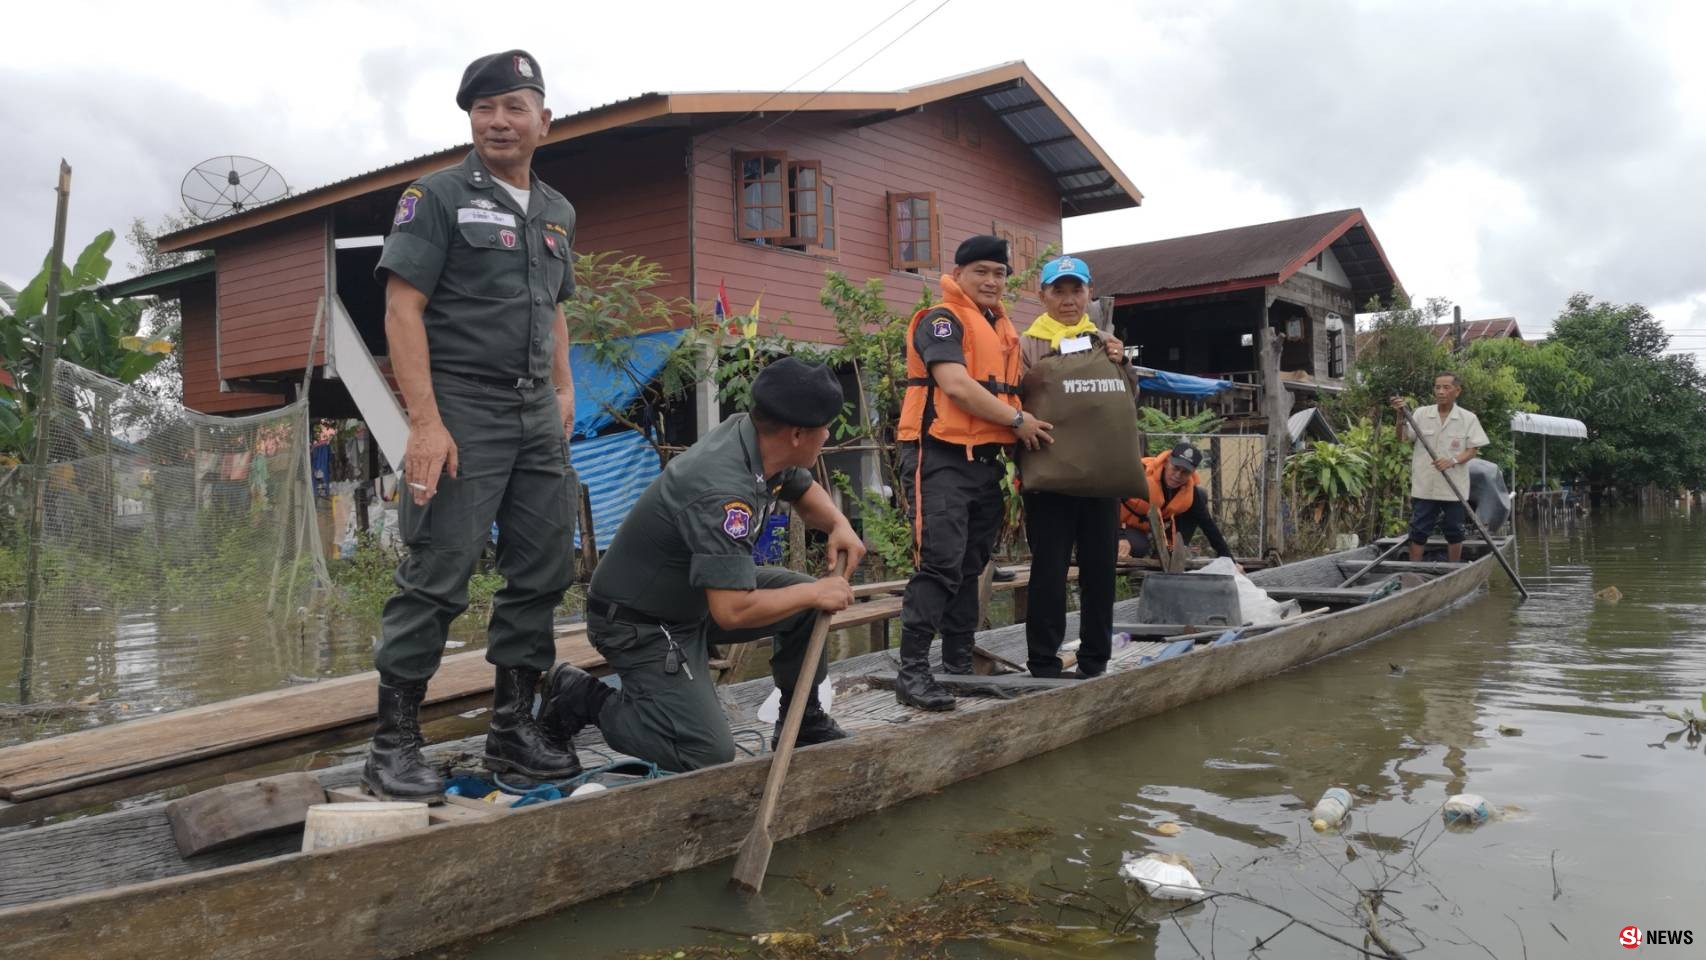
44, 408
754, 856
1473, 516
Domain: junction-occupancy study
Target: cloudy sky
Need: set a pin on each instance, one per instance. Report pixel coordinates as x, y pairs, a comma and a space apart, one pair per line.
1507, 154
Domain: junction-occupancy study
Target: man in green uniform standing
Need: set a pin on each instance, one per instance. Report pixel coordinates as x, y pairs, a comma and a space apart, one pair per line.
474, 269
679, 576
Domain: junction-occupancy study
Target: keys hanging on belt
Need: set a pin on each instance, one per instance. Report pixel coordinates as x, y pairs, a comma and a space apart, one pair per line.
676, 659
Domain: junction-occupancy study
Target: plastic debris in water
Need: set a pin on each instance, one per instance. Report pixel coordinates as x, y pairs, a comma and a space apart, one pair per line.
1609, 595
1466, 809
1164, 877
1509, 730
1169, 829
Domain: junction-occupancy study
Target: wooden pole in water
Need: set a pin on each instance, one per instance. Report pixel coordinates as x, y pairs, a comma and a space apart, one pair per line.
1473, 516
49, 356
754, 856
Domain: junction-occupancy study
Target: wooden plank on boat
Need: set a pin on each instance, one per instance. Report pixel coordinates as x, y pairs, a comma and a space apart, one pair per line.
239, 812
1436, 568
60, 764
1005, 686
1339, 596
344, 903
264, 726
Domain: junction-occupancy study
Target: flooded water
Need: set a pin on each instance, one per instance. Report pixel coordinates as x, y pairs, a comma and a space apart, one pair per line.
1548, 709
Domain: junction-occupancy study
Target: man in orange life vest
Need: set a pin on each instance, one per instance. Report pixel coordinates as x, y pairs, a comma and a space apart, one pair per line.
1184, 505
960, 413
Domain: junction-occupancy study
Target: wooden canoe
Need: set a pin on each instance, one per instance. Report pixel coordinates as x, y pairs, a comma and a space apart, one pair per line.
113, 885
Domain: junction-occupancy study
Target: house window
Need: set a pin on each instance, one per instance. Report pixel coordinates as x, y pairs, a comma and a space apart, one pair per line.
805, 203
1335, 353
1022, 251
761, 196
913, 231
828, 214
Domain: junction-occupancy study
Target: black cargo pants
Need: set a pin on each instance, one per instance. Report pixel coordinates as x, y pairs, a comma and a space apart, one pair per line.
512, 469
956, 506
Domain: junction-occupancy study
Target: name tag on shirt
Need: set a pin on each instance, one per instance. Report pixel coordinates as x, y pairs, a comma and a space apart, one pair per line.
473, 215
1071, 345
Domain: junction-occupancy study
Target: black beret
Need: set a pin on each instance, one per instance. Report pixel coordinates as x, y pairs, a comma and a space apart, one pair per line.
499, 73
797, 393
983, 247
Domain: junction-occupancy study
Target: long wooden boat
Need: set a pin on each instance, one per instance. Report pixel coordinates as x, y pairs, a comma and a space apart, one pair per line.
114, 885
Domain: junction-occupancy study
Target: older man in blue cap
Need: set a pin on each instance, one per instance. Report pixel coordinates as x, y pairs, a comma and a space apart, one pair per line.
1057, 524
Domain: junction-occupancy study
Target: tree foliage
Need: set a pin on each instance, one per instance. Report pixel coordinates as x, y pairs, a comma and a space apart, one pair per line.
94, 332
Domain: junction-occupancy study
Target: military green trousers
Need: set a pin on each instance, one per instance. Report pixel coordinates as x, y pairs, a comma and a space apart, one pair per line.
512, 469
674, 719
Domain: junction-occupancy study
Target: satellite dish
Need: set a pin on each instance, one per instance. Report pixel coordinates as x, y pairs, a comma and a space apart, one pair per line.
224, 185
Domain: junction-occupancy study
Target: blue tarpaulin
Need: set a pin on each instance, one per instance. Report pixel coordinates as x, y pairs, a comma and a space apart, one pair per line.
615, 469
598, 387
1181, 384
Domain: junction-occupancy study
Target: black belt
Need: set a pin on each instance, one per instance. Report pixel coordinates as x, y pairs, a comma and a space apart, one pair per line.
986, 452
626, 614
514, 383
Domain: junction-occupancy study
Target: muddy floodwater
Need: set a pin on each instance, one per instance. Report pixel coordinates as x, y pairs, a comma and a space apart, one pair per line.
1548, 709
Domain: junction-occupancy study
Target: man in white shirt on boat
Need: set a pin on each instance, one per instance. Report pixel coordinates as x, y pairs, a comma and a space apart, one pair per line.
1456, 438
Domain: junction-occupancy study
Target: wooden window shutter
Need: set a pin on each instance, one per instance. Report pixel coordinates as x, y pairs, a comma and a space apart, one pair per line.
914, 231
761, 195
805, 202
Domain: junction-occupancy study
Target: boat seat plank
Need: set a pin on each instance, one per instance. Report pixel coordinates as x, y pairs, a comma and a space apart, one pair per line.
1339, 596
237, 812
1005, 686
1434, 567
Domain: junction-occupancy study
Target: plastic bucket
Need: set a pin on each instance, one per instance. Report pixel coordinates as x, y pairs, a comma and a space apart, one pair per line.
337, 824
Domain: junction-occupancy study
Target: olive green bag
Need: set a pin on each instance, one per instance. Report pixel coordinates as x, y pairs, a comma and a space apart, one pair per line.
1088, 399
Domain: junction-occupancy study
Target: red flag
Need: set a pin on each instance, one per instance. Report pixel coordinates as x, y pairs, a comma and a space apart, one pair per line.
720, 309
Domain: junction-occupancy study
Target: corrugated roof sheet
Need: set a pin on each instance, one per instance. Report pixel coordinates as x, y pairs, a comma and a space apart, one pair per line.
1261, 251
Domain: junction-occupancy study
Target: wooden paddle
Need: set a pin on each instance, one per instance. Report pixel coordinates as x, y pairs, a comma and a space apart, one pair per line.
754, 856
1479, 526
1377, 561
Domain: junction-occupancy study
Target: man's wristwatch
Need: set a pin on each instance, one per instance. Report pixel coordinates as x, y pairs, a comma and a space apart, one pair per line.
1018, 419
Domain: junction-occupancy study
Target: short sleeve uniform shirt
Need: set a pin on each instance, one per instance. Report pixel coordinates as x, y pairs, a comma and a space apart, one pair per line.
492, 273
1450, 436
692, 530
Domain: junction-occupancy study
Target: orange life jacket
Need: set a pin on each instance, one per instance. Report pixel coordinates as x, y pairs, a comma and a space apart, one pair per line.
992, 359
1134, 513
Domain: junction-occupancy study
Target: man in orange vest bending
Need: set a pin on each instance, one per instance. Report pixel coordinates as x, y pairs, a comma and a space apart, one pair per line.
960, 413
1183, 505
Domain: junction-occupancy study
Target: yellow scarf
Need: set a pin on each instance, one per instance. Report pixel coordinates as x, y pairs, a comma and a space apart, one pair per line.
1048, 328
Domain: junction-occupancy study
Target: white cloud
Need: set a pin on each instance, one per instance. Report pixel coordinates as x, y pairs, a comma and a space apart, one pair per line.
1506, 156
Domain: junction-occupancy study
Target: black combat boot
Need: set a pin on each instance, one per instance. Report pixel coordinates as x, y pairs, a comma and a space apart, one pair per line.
514, 742
572, 699
914, 686
956, 655
395, 769
816, 725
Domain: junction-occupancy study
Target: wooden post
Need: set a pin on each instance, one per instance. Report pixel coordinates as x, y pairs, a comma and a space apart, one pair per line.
1276, 405
1374, 481
589, 536
43, 411
796, 542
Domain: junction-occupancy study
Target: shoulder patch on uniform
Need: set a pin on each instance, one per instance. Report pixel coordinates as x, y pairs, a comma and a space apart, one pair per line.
406, 206
942, 328
737, 519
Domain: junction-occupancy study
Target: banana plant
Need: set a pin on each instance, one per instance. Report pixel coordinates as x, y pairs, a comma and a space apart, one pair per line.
95, 332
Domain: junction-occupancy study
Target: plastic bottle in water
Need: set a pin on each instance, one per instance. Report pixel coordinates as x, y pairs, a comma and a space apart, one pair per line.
1331, 809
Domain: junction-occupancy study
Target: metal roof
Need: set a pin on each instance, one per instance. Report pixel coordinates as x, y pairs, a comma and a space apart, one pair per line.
1242, 257
160, 281
1088, 180
1544, 425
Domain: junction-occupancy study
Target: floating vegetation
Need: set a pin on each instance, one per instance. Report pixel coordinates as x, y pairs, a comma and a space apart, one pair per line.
1009, 839
979, 914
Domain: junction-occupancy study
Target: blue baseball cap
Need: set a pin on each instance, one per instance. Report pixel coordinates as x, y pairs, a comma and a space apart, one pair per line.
1065, 267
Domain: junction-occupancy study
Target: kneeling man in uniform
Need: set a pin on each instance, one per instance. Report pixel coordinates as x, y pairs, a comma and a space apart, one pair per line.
679, 576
